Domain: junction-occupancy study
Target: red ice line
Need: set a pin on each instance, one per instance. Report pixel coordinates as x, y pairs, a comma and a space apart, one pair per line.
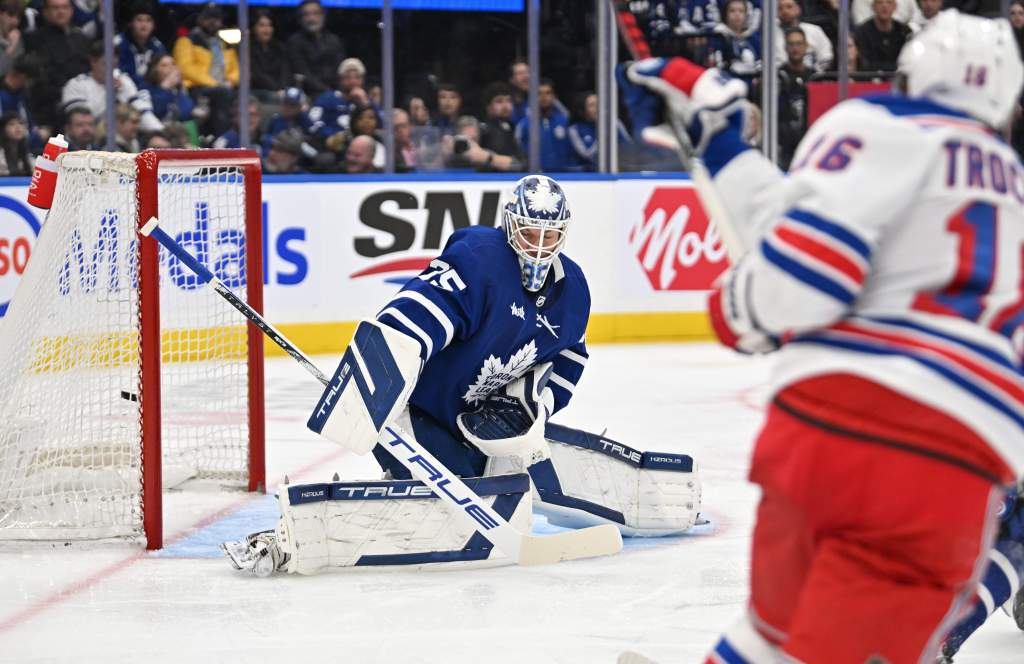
78, 586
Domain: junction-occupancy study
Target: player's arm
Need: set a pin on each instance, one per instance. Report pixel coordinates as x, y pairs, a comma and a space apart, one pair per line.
382, 364
566, 371
814, 258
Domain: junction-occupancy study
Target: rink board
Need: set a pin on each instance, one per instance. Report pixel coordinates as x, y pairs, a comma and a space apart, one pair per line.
337, 247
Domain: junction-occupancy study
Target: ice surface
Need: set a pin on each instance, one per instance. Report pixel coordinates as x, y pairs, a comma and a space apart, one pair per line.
668, 599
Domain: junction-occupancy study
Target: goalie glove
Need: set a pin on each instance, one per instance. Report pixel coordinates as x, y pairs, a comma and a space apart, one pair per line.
511, 420
259, 554
732, 317
705, 108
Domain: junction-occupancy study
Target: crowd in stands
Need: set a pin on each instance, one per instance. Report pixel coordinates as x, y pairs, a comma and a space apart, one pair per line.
315, 108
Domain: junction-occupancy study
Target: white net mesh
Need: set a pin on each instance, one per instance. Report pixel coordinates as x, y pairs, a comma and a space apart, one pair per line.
70, 423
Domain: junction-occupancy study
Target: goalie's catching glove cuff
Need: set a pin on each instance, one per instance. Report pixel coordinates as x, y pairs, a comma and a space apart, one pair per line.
510, 421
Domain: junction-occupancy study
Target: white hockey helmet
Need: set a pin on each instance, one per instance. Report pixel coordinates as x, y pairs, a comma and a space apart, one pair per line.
967, 63
536, 218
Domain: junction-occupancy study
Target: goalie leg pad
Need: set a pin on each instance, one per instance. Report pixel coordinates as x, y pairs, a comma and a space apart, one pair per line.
392, 523
371, 386
591, 480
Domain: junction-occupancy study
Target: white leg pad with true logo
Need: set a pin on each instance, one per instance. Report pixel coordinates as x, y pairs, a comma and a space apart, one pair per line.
591, 480
371, 386
392, 523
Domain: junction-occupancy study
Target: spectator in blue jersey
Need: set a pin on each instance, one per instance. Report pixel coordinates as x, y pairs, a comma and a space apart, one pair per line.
364, 122
555, 151
314, 53
232, 138
11, 43
137, 47
331, 111
13, 88
171, 102
583, 134
449, 108
497, 133
15, 156
271, 71
736, 46
291, 115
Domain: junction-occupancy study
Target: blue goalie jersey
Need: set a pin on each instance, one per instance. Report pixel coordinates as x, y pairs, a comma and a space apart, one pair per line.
479, 328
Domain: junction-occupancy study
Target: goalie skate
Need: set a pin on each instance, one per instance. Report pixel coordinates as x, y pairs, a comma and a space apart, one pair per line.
259, 554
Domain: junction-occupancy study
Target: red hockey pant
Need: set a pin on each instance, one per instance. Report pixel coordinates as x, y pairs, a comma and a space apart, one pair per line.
870, 532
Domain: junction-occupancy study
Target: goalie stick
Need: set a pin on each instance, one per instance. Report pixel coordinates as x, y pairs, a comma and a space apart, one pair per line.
672, 135
523, 548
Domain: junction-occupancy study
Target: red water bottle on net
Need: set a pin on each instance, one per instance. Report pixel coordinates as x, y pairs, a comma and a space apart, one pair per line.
44, 175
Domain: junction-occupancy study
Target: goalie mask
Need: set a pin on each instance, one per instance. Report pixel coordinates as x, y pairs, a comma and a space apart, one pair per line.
536, 218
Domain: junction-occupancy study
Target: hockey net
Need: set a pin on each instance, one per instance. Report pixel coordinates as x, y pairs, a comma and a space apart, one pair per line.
119, 372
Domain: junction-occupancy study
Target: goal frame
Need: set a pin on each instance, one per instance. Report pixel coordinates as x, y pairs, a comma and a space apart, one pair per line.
148, 165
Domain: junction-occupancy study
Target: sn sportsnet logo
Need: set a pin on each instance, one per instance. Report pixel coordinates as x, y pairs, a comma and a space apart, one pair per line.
677, 247
404, 229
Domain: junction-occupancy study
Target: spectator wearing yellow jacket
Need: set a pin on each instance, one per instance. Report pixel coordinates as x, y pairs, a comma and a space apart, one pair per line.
209, 67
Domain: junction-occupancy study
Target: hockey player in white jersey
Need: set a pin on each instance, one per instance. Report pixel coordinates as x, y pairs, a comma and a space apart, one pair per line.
885, 273
471, 358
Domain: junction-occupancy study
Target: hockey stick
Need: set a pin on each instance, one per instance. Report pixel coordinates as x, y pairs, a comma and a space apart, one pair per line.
673, 136
523, 548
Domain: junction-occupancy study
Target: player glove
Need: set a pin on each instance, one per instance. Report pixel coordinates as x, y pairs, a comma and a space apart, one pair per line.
732, 318
705, 107
511, 420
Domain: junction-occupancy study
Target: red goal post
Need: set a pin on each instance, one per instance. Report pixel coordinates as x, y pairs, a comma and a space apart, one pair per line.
120, 373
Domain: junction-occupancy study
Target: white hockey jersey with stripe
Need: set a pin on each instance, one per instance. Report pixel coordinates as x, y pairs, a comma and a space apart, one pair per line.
894, 250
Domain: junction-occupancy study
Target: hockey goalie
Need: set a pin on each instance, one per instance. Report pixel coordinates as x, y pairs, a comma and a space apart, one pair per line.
471, 358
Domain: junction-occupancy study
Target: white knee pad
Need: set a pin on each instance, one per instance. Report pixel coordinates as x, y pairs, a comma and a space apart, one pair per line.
591, 480
391, 523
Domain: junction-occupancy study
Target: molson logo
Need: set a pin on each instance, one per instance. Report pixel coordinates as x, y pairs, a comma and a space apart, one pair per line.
18, 231
676, 245
410, 228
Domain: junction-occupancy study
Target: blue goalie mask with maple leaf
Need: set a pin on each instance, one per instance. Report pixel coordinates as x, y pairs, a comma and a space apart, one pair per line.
536, 218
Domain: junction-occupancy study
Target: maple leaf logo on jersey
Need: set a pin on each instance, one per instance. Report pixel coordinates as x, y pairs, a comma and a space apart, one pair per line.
543, 199
495, 373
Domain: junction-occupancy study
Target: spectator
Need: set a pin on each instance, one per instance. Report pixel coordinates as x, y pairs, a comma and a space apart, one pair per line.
359, 156
879, 39
365, 122
735, 47
11, 43
127, 132
331, 111
171, 102
1016, 15
824, 14
457, 148
449, 107
290, 116
284, 153
63, 52
793, 75
519, 79
905, 11
85, 15
819, 54
90, 90
270, 67
498, 134
405, 148
232, 137
158, 141
929, 9
314, 53
209, 66
15, 157
137, 47
419, 114
13, 86
80, 129
583, 134
375, 94
179, 135
555, 151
